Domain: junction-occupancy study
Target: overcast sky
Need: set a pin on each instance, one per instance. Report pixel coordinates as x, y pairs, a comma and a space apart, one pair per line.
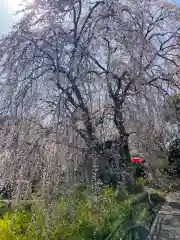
6, 15
7, 7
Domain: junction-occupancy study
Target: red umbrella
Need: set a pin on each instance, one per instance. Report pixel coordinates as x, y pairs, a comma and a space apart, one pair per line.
137, 160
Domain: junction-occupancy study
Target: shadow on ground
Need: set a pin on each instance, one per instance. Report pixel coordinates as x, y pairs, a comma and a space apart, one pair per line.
174, 205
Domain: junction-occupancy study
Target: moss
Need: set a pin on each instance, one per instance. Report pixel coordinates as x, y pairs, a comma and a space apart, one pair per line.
157, 192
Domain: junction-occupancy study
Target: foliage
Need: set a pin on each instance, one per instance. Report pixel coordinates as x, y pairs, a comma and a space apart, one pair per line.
77, 215
174, 156
139, 186
141, 181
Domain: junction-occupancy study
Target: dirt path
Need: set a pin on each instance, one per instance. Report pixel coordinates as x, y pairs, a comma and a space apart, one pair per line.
167, 224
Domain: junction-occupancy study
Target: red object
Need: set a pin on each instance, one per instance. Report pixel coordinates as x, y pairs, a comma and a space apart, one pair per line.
137, 160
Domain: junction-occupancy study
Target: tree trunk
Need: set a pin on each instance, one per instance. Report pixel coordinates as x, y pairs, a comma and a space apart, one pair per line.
123, 136
127, 174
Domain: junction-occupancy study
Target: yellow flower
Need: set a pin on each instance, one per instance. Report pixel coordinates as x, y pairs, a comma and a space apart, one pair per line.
108, 192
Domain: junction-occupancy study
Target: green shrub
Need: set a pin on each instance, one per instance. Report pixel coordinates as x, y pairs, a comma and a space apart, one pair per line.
81, 214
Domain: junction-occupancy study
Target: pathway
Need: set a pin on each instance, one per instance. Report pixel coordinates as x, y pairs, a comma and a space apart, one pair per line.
167, 224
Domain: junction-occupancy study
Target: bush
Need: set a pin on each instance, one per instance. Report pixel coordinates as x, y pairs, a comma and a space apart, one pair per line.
174, 157
79, 214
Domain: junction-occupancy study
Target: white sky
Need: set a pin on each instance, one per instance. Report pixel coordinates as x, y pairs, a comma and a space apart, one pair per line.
7, 10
